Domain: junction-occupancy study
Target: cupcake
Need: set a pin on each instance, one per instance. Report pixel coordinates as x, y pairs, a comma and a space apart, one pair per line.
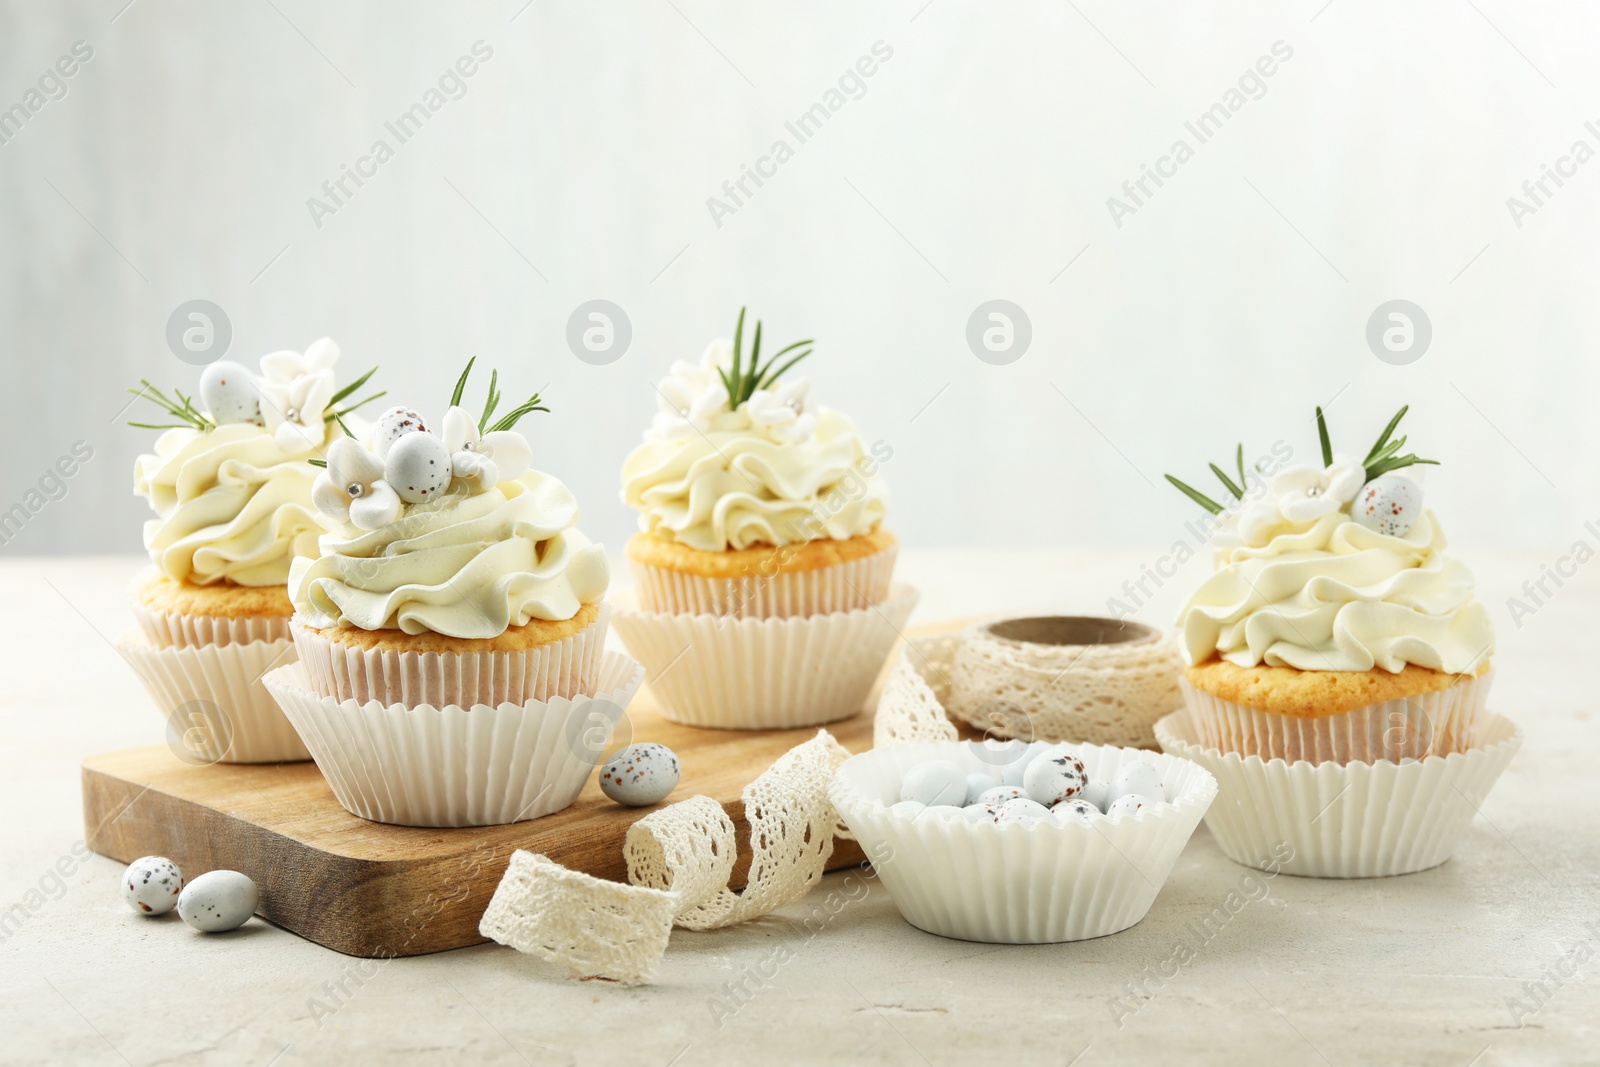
1335, 627
451, 630
756, 508
230, 483
1338, 671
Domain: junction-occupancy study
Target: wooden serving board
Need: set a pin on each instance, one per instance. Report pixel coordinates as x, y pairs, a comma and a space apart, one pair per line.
366, 889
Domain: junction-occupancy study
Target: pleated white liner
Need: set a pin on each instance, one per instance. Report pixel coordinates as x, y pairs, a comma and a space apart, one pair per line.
847, 586
449, 766
171, 629
1018, 883
564, 668
1351, 820
228, 678
765, 674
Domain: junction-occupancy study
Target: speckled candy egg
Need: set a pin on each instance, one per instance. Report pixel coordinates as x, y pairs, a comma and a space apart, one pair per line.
935, 782
218, 901
1021, 809
1013, 773
150, 885
418, 467
1000, 794
393, 425
978, 784
1390, 505
1097, 791
1128, 804
640, 774
228, 392
1075, 810
1055, 776
1141, 778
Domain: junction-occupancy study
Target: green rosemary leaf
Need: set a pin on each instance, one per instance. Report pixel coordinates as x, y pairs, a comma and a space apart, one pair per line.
779, 373
331, 414
1196, 495
493, 400
318, 463
734, 383
512, 417
1382, 467
1322, 436
461, 383
163, 425
1238, 459
1237, 491
340, 421
1383, 438
333, 401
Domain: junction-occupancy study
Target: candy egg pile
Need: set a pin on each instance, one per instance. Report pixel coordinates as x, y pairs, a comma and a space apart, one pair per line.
1041, 781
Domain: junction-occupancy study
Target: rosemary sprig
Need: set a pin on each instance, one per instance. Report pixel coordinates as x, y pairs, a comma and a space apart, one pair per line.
182, 409
492, 401
337, 415
1196, 495
318, 463
742, 383
1384, 455
1322, 437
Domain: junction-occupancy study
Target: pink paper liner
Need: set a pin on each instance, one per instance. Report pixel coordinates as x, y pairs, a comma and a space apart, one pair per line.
566, 668
1426, 724
453, 766
241, 722
860, 583
170, 629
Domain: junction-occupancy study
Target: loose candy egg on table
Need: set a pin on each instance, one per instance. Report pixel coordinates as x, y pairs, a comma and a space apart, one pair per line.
228, 392
1138, 777
1055, 776
393, 425
418, 467
218, 901
935, 782
1388, 504
151, 884
640, 774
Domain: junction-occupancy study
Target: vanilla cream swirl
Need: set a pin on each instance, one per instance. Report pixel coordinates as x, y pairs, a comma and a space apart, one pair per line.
231, 505
467, 566
1332, 595
727, 489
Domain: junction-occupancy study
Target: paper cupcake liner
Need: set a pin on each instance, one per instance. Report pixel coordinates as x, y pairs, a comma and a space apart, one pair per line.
1017, 883
1427, 724
216, 708
449, 766
170, 629
566, 668
765, 674
848, 586
1353, 820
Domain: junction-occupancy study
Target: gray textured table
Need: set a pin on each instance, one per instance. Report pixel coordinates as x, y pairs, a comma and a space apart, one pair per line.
1481, 961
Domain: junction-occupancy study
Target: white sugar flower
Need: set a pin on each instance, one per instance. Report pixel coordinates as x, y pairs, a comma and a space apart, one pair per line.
781, 411
1305, 494
352, 488
1252, 524
692, 399
483, 459
295, 391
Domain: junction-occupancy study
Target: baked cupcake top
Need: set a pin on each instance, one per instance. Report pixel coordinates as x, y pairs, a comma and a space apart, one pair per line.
737, 457
446, 532
1334, 568
230, 479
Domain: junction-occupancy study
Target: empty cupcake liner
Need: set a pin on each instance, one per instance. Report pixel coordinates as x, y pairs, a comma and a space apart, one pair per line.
171, 629
1025, 882
216, 708
1351, 820
859, 583
565, 668
1426, 724
765, 674
453, 766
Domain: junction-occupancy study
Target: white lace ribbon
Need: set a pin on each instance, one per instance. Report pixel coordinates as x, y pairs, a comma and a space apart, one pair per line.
680, 860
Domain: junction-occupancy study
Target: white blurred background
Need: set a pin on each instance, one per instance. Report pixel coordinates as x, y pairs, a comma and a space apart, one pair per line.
975, 163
